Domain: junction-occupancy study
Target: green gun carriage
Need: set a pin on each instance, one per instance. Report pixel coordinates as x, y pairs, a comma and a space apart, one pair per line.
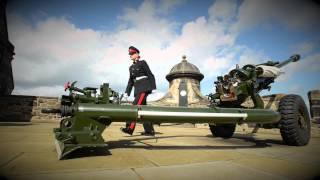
86, 114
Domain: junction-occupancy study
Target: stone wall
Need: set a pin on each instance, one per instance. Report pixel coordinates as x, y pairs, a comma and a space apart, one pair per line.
16, 108
314, 100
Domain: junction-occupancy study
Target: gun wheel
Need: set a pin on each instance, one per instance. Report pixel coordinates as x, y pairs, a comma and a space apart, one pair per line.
222, 130
295, 121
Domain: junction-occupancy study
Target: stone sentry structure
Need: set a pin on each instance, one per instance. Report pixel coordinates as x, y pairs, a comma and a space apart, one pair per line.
184, 87
314, 102
6, 54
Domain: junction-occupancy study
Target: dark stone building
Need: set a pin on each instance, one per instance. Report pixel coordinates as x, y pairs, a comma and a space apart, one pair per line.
6, 54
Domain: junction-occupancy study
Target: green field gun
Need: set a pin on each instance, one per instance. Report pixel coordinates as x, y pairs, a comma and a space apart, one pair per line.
234, 88
85, 95
85, 117
89, 94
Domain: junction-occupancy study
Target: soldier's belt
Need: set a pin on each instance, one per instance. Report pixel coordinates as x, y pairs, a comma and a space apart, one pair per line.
141, 77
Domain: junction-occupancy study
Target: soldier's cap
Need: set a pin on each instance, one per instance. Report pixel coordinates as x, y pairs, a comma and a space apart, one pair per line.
133, 50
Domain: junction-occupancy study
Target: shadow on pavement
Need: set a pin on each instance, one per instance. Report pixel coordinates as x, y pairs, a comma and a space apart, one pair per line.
88, 152
3, 177
131, 143
15, 124
250, 138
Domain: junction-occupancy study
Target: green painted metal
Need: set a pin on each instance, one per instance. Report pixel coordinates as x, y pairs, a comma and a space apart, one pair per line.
122, 113
79, 132
88, 94
240, 83
88, 121
293, 58
88, 114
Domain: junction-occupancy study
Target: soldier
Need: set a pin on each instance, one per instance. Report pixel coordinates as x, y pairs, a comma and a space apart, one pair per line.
143, 81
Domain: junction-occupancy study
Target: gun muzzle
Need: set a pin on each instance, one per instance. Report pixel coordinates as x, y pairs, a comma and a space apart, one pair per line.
295, 58
64, 110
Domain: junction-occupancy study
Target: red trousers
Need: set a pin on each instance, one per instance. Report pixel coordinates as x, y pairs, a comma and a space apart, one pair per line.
141, 99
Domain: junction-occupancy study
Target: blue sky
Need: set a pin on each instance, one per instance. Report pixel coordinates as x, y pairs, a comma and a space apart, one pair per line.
58, 41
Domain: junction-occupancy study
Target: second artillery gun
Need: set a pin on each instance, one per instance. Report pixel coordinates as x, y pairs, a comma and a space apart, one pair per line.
86, 117
241, 85
234, 88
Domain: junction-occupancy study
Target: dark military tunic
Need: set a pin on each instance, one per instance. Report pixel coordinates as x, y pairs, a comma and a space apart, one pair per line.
142, 79
146, 84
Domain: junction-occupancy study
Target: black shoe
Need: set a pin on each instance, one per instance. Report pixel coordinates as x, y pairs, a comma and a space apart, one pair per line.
126, 130
148, 133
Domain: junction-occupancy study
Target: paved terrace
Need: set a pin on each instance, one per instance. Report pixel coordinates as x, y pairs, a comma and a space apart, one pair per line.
28, 152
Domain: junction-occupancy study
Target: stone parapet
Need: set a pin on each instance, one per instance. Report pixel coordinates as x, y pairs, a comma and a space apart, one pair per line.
18, 108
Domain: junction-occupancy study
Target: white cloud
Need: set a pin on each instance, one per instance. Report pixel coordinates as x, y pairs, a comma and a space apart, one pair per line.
156, 95
40, 90
216, 66
249, 56
166, 6
223, 10
145, 23
308, 64
304, 48
294, 14
54, 50
203, 35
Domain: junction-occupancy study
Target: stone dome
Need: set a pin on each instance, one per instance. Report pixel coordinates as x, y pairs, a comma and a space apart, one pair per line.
184, 70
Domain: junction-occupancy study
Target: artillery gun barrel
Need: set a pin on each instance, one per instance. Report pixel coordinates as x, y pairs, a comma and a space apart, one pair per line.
122, 113
85, 122
293, 58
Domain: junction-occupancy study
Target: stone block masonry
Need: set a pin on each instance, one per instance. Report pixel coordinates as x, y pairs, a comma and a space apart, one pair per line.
314, 101
18, 108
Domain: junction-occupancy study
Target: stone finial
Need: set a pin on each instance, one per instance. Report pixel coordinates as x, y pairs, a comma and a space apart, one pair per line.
184, 58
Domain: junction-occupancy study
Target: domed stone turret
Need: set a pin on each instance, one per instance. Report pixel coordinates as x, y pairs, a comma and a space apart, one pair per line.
184, 87
184, 70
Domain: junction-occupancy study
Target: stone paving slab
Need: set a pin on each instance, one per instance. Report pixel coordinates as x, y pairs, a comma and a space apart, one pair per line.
126, 174
28, 152
203, 171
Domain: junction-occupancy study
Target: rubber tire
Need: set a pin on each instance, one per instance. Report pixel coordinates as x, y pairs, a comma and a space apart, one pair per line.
291, 107
222, 130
